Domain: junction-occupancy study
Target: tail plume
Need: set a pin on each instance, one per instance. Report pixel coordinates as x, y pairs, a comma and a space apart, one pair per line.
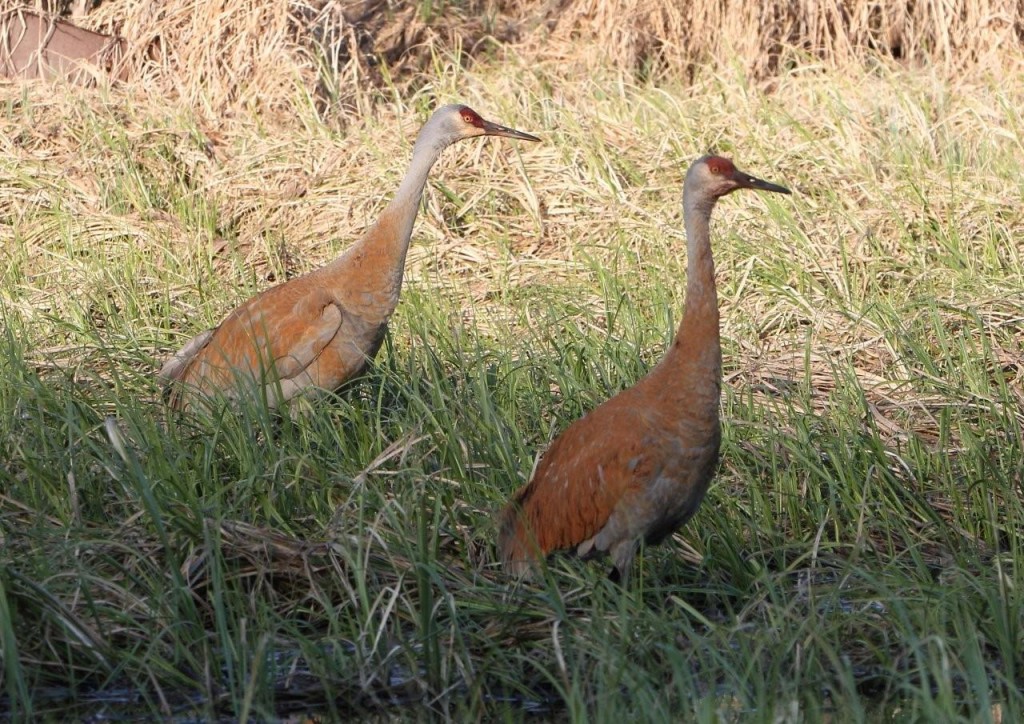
517, 546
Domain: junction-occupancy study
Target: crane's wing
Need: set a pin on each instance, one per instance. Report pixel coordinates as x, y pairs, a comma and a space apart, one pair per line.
295, 365
298, 343
600, 460
273, 338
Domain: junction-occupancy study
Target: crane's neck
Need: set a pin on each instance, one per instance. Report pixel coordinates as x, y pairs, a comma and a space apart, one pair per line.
401, 212
374, 265
701, 314
693, 365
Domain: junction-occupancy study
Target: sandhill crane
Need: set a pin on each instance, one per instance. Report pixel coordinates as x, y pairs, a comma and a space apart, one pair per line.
637, 466
321, 329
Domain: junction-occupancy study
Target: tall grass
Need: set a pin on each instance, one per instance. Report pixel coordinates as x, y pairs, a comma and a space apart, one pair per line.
856, 557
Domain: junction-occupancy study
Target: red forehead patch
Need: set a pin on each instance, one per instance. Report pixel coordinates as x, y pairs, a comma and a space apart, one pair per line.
720, 165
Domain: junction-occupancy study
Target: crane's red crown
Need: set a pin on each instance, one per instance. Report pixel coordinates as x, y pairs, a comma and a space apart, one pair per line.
720, 166
471, 117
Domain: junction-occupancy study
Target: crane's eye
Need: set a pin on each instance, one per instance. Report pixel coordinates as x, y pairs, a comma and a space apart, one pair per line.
467, 118
720, 166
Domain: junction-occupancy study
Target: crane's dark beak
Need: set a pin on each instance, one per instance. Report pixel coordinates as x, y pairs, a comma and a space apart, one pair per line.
746, 181
493, 129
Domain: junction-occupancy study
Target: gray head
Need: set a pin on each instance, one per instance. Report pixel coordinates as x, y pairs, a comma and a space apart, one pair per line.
712, 177
454, 122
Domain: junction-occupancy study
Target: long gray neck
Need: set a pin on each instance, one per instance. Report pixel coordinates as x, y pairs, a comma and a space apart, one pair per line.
691, 372
701, 315
400, 215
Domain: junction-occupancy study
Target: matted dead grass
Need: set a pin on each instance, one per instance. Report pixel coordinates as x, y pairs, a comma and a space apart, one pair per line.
762, 38
230, 56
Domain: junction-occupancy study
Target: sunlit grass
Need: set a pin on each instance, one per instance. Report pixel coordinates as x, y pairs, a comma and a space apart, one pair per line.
857, 556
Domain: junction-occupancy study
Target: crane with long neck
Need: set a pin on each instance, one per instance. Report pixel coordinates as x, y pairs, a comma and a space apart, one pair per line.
636, 467
321, 329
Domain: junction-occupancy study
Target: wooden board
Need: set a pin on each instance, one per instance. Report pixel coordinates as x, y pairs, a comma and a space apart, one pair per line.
38, 46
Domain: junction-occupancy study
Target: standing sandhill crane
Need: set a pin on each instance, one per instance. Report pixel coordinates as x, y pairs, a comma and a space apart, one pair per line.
321, 329
637, 466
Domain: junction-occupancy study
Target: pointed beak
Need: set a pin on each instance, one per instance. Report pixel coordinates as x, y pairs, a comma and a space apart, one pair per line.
493, 129
746, 181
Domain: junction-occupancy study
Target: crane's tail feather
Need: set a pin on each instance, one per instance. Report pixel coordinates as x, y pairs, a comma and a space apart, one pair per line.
173, 368
517, 545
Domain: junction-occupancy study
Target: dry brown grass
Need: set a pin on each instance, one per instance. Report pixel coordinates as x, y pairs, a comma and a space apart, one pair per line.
229, 56
248, 54
759, 38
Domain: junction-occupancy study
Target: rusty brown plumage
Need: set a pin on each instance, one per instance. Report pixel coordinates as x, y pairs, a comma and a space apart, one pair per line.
636, 467
321, 329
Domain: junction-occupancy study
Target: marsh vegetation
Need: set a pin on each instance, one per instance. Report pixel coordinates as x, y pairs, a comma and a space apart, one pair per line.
858, 556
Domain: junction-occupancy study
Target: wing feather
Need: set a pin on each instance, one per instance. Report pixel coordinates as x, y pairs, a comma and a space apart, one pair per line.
274, 337
601, 459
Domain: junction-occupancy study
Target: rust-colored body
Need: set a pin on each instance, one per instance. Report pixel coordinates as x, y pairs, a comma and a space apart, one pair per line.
636, 467
321, 329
